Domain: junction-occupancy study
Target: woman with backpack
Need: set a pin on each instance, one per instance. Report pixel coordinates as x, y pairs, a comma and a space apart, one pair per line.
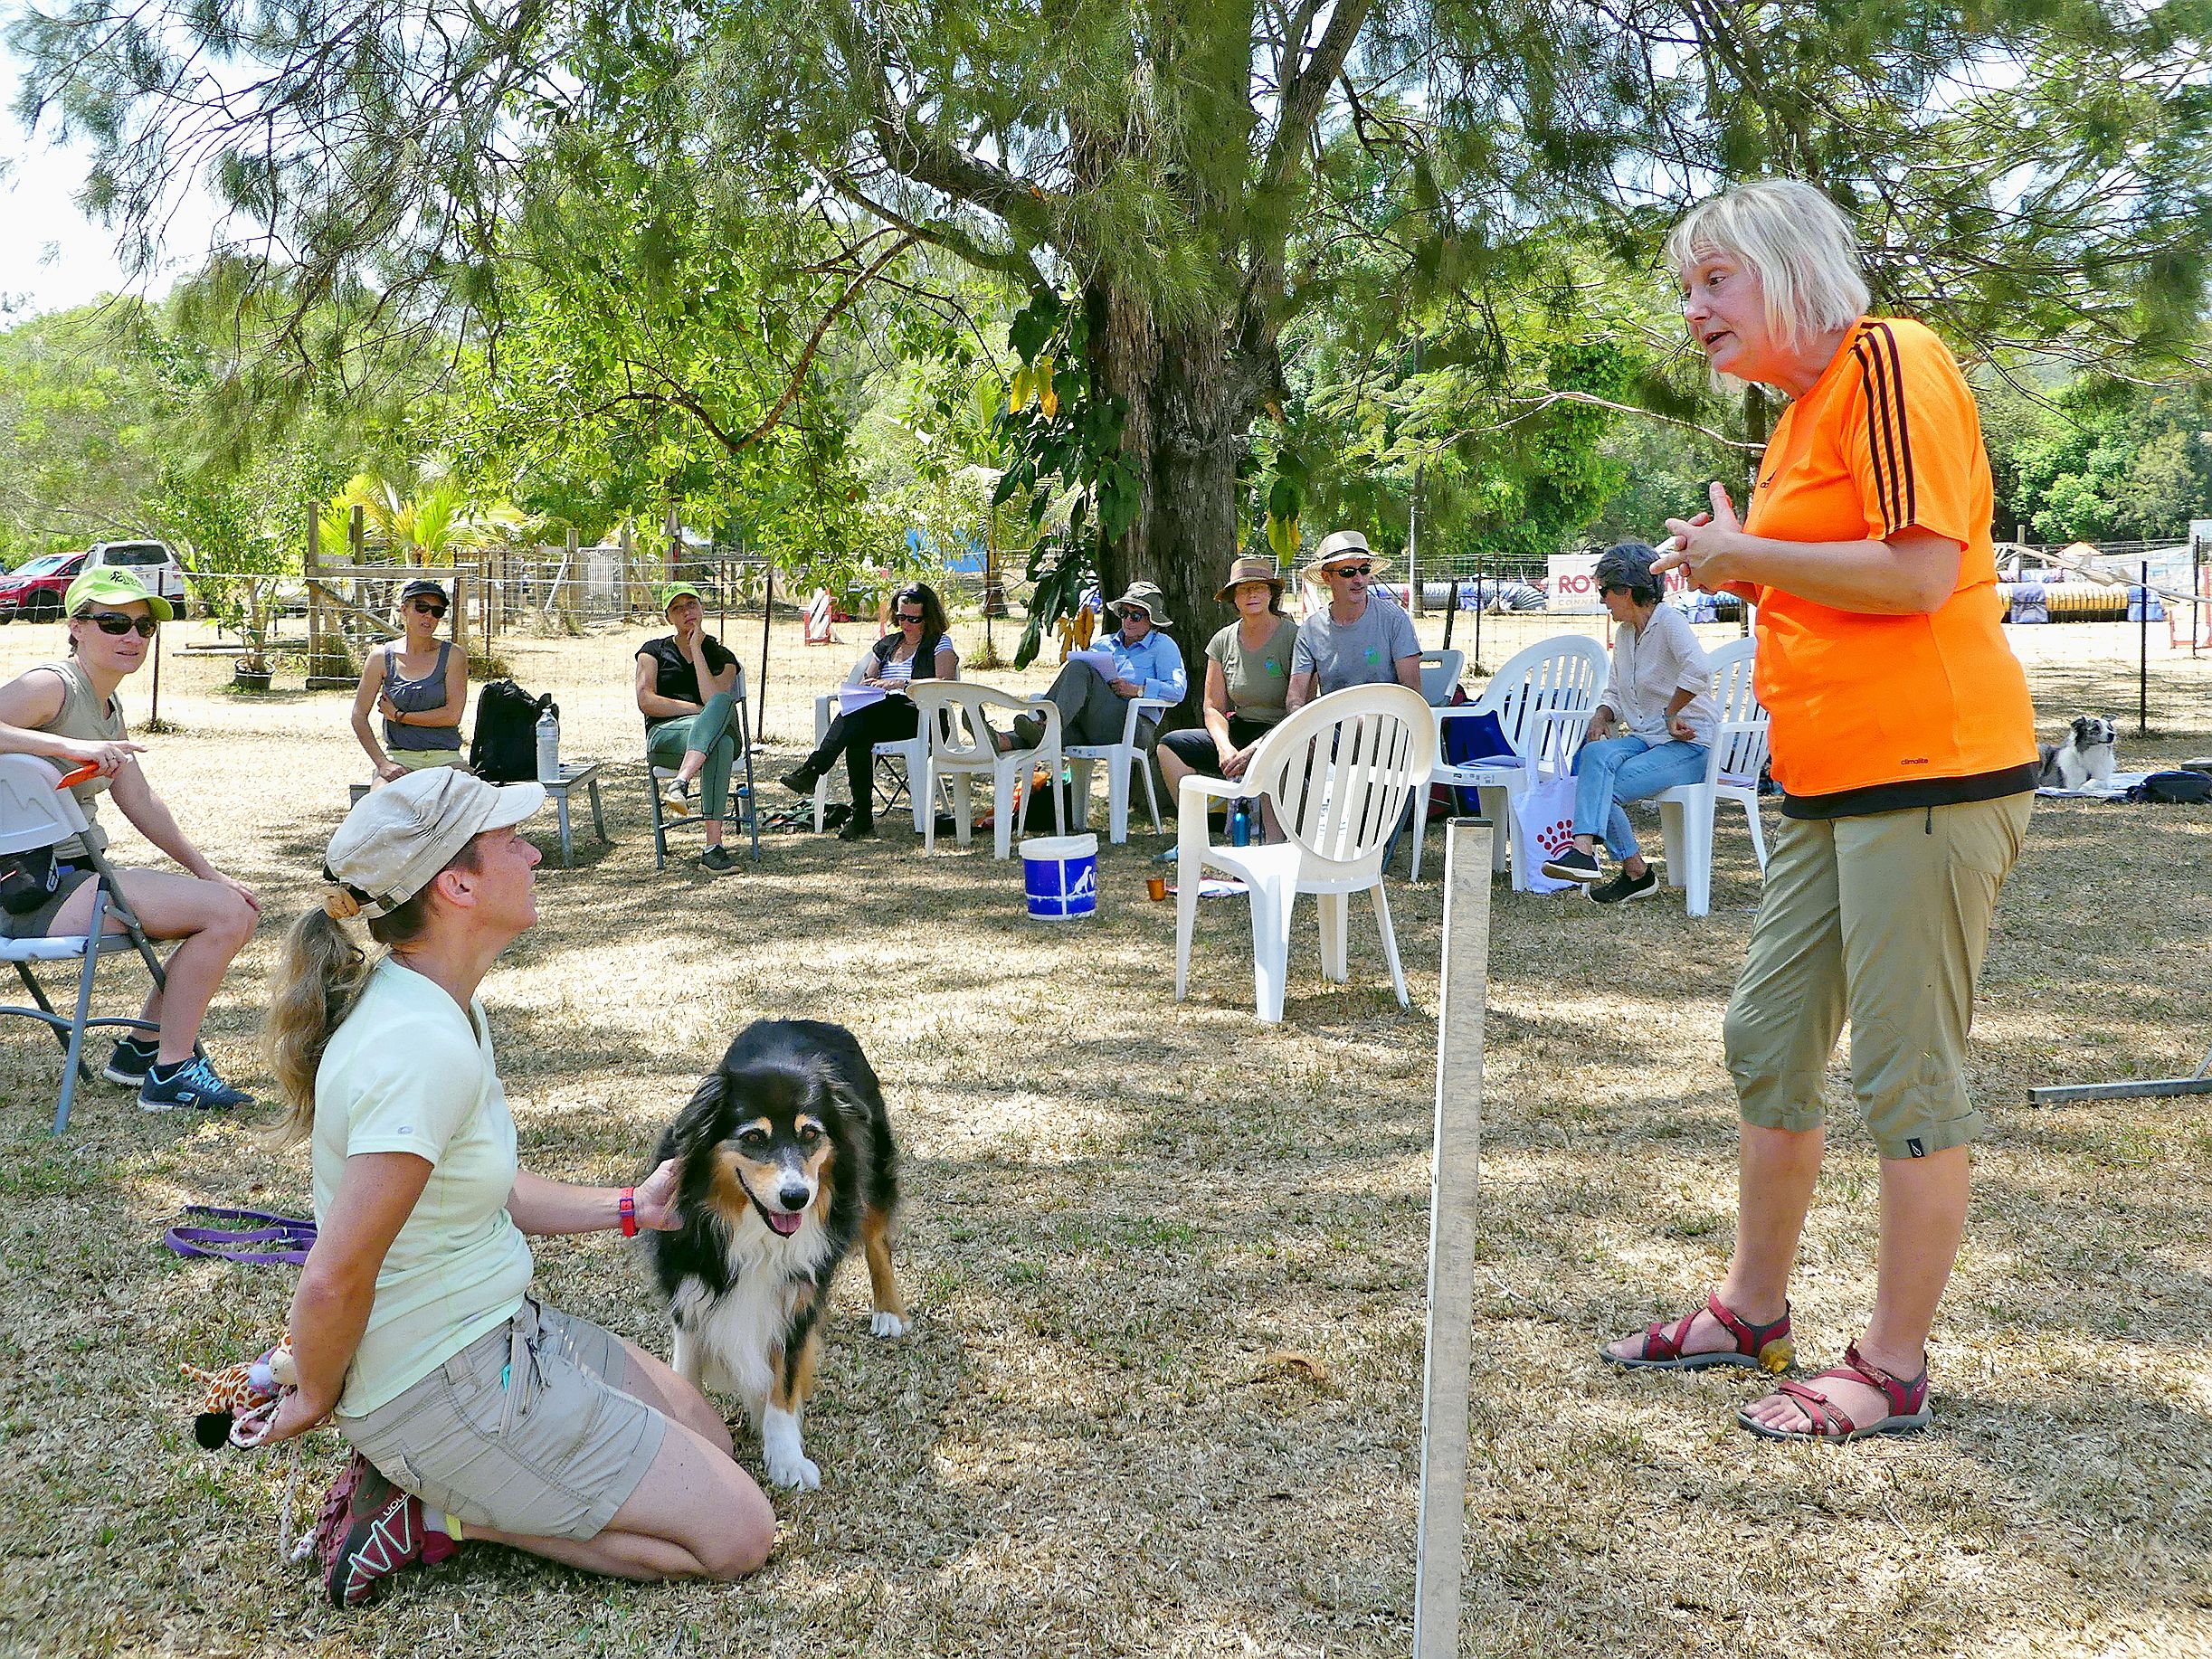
920, 649
420, 684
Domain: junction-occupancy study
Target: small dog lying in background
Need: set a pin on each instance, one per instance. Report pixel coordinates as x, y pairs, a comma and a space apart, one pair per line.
784, 1160
2090, 754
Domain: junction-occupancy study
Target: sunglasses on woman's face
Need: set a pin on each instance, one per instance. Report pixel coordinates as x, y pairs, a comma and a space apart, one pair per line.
905, 617
116, 622
428, 607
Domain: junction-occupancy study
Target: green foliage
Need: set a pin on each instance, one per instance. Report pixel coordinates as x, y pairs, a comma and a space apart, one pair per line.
228, 530
2112, 461
1063, 437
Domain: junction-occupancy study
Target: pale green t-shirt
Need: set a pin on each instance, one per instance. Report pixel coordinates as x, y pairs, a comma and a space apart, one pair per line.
405, 1071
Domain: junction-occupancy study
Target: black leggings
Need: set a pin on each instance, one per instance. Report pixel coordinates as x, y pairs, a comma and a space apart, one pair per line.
1193, 746
855, 736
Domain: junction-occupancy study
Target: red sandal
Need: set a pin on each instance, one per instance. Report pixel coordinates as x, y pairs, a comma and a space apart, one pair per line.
1908, 1405
1766, 1348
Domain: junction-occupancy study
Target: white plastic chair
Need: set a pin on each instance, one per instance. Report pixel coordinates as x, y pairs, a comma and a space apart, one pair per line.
1542, 697
1123, 759
1732, 765
1337, 774
34, 813
1441, 672
907, 752
959, 750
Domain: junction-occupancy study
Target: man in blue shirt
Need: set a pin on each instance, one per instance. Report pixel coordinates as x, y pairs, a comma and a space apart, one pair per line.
1094, 699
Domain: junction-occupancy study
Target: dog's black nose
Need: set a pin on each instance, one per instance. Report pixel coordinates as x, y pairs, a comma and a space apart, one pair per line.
793, 1198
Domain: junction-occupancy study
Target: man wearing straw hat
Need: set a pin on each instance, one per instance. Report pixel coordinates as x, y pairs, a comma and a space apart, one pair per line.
1093, 700
1355, 639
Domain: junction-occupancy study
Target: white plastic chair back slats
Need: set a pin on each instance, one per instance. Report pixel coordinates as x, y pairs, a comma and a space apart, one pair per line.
960, 748
1542, 697
1733, 761
1335, 774
1739, 745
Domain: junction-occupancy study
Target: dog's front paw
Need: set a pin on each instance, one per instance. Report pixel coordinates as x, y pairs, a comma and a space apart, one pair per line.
787, 1465
887, 1325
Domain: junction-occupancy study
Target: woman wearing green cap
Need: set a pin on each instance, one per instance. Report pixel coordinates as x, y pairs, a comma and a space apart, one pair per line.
67, 712
687, 691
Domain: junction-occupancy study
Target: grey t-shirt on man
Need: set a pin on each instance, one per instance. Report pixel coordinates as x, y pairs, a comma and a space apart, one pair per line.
1358, 653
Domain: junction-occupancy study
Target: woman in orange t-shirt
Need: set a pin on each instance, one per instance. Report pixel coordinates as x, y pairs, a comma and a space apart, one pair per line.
1903, 744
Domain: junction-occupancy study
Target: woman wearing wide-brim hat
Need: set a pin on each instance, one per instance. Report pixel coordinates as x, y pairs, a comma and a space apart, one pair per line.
1247, 679
1093, 692
477, 1411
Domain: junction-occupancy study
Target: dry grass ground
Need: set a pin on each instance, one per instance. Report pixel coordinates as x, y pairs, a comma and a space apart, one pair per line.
1125, 1219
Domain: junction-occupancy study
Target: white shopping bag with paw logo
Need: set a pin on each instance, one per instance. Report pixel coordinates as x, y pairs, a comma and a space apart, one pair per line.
1542, 827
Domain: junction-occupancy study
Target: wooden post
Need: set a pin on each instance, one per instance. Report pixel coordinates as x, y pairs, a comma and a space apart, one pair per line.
461, 610
676, 546
629, 575
1453, 1170
309, 562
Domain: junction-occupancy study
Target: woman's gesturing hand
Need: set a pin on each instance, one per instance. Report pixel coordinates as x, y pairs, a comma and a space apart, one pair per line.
109, 757
1705, 547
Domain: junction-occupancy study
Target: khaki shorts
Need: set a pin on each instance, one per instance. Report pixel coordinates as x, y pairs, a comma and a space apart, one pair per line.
526, 1431
1884, 920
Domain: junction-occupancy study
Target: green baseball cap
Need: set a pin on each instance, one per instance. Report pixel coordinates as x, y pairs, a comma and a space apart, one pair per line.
676, 591
105, 584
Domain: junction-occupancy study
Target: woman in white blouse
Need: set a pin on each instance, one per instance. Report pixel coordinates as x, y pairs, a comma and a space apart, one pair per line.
1653, 724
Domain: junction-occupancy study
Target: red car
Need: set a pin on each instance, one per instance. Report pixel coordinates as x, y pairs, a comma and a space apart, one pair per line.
33, 589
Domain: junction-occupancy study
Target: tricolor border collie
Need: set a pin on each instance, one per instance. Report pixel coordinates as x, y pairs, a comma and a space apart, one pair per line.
784, 1160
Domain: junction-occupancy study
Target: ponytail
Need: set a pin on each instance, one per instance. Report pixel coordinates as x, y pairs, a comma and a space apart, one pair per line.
320, 975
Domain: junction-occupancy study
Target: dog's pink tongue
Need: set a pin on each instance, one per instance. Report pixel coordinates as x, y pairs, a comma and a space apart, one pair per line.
784, 1222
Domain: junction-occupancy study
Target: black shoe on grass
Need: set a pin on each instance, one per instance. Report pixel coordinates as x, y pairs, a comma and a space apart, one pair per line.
1572, 864
716, 861
1624, 886
858, 829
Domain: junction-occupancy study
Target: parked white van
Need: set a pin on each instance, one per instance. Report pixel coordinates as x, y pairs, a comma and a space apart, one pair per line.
152, 563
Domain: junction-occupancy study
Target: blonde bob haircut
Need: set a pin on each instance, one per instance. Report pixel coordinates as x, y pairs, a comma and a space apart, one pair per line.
1795, 239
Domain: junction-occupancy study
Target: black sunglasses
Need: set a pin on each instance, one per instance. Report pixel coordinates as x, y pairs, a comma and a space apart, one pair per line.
907, 616
428, 607
115, 622
1349, 570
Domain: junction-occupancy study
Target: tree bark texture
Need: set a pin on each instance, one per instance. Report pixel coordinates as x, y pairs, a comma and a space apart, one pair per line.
1190, 399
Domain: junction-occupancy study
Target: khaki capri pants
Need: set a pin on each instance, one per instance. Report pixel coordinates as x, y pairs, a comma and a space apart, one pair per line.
527, 1429
1881, 920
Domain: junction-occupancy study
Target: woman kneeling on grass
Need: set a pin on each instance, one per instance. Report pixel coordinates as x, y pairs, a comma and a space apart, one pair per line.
474, 1410
67, 712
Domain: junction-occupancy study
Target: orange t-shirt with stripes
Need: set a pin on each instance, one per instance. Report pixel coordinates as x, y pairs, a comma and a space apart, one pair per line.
1888, 440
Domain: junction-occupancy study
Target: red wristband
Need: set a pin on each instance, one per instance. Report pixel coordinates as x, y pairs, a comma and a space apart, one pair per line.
626, 1208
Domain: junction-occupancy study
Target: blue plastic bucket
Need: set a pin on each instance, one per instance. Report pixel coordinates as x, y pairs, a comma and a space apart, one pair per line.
1060, 875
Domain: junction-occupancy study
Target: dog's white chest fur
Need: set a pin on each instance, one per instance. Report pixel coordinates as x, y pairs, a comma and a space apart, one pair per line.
727, 1341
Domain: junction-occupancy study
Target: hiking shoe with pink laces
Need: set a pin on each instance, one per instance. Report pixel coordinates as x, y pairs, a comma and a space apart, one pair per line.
384, 1534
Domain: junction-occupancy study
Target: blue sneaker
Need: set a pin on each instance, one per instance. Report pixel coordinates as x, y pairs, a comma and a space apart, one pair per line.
128, 1063
190, 1083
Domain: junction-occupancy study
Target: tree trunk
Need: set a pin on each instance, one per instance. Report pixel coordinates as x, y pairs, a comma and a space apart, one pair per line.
1190, 414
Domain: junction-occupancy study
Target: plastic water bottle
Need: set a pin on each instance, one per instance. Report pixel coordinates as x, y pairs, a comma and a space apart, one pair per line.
549, 745
1240, 822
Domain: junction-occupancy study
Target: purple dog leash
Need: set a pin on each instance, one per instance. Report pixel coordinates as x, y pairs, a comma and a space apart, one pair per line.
290, 1236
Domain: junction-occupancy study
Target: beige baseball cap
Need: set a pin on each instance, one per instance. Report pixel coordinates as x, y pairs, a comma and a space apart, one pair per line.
401, 836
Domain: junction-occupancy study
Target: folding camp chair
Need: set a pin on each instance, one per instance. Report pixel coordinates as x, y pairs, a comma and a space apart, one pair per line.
744, 802
34, 813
